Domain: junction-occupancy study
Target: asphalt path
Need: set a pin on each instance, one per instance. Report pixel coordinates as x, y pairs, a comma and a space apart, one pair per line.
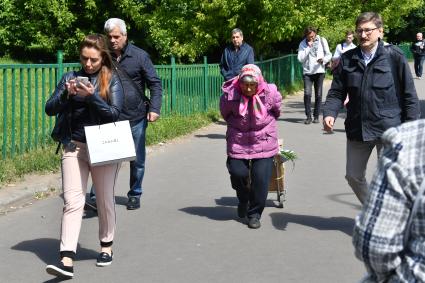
187, 229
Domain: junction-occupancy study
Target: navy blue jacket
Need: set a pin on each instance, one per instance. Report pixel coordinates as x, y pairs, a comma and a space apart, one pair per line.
416, 50
382, 94
84, 111
232, 62
138, 65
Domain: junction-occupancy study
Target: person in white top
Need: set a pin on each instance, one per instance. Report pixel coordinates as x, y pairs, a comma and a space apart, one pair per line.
313, 54
340, 49
343, 47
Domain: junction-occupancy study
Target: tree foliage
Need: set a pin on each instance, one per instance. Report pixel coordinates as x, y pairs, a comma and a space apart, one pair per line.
410, 25
186, 29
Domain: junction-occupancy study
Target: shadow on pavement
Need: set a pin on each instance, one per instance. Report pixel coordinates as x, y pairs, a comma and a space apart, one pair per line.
334, 130
48, 250
56, 280
343, 224
294, 104
212, 136
292, 120
218, 213
339, 198
226, 209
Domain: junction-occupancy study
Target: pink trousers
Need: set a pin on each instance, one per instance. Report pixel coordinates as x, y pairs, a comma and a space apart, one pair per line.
75, 173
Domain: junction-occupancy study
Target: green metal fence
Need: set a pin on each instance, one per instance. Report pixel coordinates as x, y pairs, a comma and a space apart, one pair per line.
405, 47
187, 89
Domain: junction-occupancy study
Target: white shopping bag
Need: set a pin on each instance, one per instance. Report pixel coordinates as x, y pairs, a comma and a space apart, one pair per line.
110, 143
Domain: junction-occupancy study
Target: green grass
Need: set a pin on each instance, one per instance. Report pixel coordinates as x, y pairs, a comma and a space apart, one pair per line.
40, 160
292, 89
45, 160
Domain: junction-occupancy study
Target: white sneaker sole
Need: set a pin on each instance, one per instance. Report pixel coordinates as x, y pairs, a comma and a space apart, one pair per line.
56, 271
103, 263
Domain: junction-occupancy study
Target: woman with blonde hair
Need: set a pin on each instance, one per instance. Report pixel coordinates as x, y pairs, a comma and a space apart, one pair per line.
93, 101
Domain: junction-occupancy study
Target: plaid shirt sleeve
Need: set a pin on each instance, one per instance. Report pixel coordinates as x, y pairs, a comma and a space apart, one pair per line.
379, 229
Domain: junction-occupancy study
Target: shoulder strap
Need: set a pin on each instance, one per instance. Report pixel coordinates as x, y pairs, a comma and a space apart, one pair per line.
323, 46
413, 212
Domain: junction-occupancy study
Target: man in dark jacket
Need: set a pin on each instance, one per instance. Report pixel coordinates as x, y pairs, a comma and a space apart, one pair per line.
378, 81
235, 56
135, 64
418, 50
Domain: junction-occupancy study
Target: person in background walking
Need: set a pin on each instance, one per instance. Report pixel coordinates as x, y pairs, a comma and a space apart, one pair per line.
137, 65
235, 56
100, 101
343, 47
418, 51
340, 49
250, 108
382, 94
314, 54
389, 232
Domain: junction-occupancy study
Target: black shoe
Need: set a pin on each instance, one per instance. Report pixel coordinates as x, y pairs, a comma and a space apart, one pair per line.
133, 203
307, 121
60, 270
104, 259
90, 205
254, 223
316, 120
242, 210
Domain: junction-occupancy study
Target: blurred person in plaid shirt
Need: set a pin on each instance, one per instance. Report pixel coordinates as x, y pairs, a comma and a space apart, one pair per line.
391, 250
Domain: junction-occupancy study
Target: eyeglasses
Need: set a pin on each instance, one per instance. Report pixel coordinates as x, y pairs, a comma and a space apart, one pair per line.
367, 31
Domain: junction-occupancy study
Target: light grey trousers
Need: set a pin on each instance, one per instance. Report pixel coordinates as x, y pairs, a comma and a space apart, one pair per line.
358, 154
75, 173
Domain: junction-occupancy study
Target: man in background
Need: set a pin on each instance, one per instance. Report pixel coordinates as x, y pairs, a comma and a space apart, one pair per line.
418, 51
235, 56
134, 63
343, 47
313, 54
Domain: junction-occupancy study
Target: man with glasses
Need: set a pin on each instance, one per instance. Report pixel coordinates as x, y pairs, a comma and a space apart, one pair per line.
377, 79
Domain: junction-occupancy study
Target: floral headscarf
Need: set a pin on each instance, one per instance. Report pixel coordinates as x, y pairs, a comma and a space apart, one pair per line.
254, 72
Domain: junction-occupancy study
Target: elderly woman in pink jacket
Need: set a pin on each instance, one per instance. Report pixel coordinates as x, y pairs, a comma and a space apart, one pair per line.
250, 106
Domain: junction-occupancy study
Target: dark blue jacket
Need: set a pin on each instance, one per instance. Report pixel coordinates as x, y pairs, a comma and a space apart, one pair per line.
84, 111
232, 62
138, 65
381, 94
416, 50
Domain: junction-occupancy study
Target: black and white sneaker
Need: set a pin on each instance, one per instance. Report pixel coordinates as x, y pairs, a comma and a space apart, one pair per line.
60, 270
104, 259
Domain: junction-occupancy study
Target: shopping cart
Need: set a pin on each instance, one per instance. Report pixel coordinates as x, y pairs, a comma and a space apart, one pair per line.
277, 180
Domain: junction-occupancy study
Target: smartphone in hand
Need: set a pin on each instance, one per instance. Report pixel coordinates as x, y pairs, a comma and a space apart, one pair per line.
82, 80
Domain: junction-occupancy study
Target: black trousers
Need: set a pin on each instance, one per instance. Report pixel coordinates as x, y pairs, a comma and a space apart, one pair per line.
418, 64
259, 172
309, 81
